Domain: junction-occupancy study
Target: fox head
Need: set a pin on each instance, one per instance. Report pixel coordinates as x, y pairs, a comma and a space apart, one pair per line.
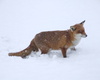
79, 30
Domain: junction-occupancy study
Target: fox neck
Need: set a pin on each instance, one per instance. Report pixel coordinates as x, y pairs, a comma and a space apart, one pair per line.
75, 38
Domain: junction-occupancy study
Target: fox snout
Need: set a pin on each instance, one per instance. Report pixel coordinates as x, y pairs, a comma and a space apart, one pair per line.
84, 35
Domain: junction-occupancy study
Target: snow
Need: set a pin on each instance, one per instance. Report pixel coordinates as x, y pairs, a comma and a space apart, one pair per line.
20, 20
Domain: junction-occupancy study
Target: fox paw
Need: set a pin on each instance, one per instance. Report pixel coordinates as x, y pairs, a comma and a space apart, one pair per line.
73, 49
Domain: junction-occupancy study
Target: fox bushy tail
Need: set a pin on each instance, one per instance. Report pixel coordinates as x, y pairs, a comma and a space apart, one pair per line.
27, 51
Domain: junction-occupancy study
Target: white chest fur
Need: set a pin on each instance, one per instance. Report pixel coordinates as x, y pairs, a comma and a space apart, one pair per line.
77, 39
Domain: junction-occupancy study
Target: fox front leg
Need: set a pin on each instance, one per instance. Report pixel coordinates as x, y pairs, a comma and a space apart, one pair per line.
73, 48
64, 52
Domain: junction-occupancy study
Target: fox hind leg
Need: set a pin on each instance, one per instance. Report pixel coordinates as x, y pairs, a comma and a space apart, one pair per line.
44, 49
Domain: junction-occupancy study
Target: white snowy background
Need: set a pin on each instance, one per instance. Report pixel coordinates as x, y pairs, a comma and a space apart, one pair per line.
20, 20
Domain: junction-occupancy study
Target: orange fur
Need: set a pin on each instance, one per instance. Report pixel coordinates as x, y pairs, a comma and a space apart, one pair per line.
54, 40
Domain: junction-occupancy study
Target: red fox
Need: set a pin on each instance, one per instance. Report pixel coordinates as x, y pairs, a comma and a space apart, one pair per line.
55, 40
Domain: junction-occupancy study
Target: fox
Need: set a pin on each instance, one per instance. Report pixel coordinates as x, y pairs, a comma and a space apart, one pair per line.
54, 40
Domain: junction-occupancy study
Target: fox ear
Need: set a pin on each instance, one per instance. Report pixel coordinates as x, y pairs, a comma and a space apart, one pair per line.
82, 22
72, 28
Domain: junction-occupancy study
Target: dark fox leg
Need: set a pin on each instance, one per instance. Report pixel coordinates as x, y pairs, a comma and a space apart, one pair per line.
64, 52
73, 48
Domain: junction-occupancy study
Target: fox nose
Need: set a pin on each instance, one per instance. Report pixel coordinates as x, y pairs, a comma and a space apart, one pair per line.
86, 35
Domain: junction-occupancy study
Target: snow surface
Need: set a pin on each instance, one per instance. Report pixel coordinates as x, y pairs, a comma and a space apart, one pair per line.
20, 20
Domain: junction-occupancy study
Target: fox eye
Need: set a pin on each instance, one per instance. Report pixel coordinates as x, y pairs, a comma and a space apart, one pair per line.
80, 31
